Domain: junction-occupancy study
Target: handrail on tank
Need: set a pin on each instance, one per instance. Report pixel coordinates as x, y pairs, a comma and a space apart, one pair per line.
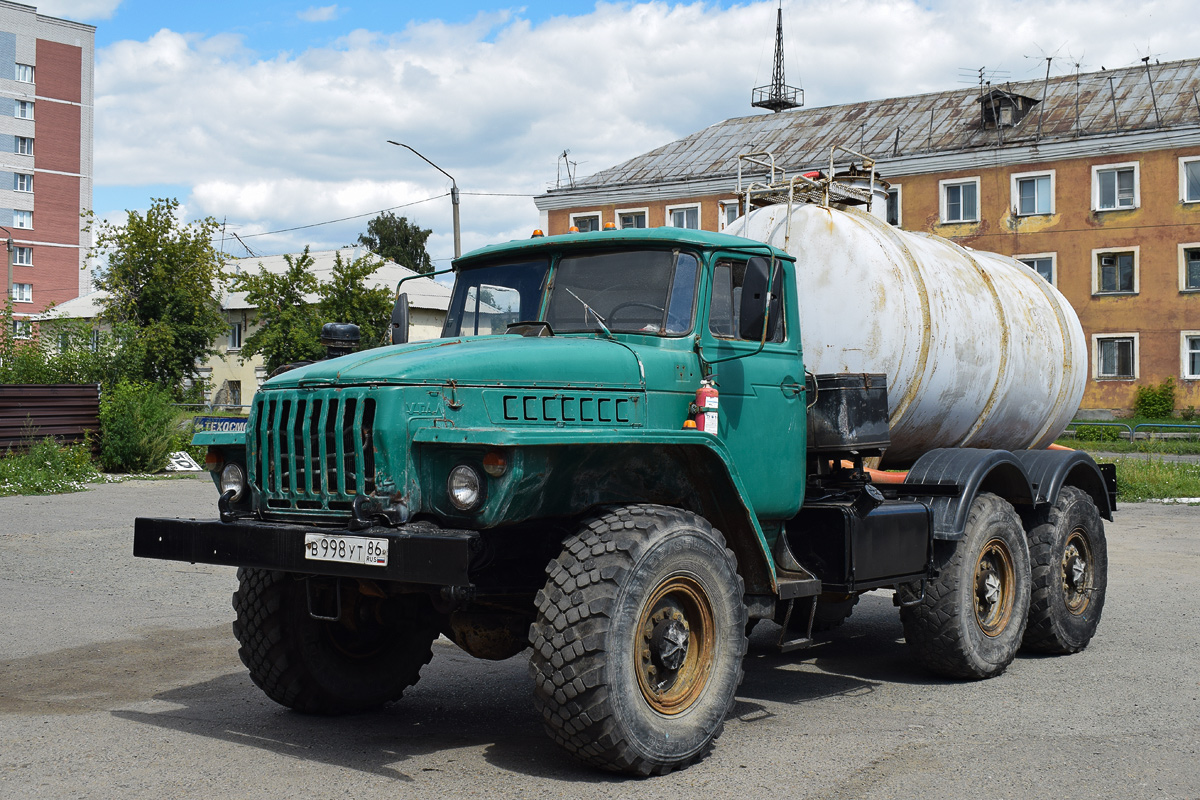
760, 158
867, 162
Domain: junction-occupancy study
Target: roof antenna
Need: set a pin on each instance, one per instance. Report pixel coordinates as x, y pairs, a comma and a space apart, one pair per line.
1153, 99
778, 96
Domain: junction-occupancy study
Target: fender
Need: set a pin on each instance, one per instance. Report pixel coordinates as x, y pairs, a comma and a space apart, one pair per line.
973, 471
1050, 470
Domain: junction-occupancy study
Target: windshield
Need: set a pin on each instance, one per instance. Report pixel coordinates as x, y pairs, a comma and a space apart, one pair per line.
486, 300
639, 291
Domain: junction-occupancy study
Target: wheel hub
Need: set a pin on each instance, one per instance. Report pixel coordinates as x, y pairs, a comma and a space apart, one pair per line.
995, 582
1077, 572
669, 642
676, 635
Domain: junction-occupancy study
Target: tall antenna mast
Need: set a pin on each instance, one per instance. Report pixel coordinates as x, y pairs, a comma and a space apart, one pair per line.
778, 96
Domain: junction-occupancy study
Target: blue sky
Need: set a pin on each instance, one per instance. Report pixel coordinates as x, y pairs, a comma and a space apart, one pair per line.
273, 115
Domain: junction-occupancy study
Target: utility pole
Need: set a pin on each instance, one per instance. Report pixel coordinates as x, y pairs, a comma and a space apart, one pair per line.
10, 262
453, 195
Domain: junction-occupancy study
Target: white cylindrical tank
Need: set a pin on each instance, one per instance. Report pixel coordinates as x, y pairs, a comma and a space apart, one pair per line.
979, 350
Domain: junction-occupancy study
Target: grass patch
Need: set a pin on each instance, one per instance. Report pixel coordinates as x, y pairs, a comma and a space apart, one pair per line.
1151, 479
1182, 447
47, 468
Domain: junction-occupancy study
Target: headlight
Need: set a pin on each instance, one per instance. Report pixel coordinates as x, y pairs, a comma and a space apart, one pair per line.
233, 478
465, 487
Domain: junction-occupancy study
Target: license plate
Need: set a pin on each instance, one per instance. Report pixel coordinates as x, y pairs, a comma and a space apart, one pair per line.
346, 549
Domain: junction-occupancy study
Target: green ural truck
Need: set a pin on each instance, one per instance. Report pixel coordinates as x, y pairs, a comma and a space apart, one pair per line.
536, 480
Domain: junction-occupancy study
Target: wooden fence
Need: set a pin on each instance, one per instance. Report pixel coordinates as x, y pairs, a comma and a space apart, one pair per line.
63, 411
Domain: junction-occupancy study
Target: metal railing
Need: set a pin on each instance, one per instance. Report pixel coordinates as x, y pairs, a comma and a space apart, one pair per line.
1133, 432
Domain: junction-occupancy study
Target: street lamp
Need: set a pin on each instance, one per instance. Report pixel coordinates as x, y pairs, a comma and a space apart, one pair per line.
453, 200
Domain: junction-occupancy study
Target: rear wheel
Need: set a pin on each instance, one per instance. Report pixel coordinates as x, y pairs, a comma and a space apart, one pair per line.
366, 658
972, 618
639, 639
1070, 575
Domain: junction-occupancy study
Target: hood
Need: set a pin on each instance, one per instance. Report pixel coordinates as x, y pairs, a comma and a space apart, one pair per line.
481, 361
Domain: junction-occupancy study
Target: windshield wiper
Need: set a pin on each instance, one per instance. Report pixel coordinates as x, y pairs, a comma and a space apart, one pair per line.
589, 310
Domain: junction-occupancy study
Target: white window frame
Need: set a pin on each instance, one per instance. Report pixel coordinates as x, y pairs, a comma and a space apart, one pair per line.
18, 141
1137, 271
899, 190
1097, 338
645, 212
1184, 352
236, 333
23, 178
23, 105
18, 252
943, 186
581, 214
22, 329
27, 69
1016, 192
1137, 184
19, 295
667, 212
722, 207
1053, 264
19, 216
1183, 194
1183, 265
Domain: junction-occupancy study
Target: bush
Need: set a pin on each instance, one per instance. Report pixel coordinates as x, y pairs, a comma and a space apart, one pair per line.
1155, 402
1188, 413
1097, 433
137, 428
47, 467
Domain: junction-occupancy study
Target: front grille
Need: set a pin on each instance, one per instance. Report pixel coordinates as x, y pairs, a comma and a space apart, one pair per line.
312, 451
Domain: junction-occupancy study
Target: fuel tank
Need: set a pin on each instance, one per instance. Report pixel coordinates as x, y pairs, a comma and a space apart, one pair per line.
979, 350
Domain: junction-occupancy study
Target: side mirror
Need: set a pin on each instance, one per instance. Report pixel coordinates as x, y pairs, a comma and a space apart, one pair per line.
399, 326
754, 306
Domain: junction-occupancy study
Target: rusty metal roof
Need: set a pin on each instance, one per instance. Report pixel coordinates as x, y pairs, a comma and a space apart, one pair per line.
1075, 107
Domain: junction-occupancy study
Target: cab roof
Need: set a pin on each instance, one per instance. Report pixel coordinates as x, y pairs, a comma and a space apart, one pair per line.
608, 238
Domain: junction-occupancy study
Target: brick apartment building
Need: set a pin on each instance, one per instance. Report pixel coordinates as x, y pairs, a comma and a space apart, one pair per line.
46, 91
1093, 180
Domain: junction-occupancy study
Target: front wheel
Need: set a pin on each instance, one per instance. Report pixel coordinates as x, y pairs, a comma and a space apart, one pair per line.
639, 639
972, 618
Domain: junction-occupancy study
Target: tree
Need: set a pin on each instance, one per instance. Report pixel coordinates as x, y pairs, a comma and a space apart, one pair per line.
163, 284
347, 298
398, 240
289, 327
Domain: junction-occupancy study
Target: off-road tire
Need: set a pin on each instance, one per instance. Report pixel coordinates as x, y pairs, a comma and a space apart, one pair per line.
320, 667
958, 630
1070, 575
624, 578
832, 610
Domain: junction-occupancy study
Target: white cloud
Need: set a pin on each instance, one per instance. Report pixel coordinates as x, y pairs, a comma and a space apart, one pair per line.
272, 143
78, 10
319, 14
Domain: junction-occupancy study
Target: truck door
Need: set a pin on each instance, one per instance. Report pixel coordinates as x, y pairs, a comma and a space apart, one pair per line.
762, 409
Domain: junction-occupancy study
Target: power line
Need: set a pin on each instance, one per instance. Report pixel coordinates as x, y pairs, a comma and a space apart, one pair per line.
344, 219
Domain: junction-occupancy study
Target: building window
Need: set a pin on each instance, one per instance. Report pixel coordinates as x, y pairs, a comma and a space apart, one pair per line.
23, 219
22, 182
1041, 263
684, 217
23, 256
1115, 356
586, 222
22, 292
24, 73
730, 210
632, 218
235, 336
960, 200
24, 145
23, 109
1190, 347
893, 206
1115, 272
1189, 267
1115, 186
22, 329
1033, 193
1189, 180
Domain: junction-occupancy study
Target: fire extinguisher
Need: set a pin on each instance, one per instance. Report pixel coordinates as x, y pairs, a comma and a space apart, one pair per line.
705, 407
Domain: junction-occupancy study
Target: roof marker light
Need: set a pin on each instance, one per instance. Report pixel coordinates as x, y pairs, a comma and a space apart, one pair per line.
573, 229
537, 233
610, 226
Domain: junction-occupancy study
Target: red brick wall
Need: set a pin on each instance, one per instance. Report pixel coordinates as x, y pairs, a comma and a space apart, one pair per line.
56, 208
54, 275
56, 137
59, 71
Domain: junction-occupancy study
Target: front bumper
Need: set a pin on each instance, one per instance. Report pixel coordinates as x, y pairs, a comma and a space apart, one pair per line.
416, 553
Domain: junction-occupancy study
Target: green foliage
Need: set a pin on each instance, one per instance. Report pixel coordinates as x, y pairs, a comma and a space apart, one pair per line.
138, 429
1097, 433
1155, 402
347, 298
1153, 478
47, 467
289, 326
1188, 414
398, 240
163, 283
61, 351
